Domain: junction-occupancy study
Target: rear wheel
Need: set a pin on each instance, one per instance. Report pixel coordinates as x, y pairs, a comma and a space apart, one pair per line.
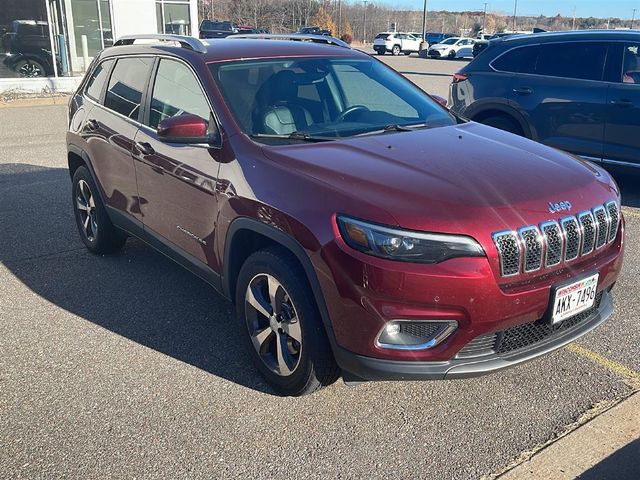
503, 122
396, 50
380, 52
281, 325
94, 225
29, 68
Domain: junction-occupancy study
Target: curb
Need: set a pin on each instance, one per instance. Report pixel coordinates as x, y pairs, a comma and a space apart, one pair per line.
35, 102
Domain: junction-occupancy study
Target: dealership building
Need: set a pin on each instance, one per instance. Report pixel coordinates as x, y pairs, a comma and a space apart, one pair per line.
47, 44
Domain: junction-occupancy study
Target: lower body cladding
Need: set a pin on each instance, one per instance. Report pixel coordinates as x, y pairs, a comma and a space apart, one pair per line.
360, 368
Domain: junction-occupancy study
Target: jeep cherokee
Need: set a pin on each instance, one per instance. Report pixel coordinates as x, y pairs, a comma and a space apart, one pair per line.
360, 228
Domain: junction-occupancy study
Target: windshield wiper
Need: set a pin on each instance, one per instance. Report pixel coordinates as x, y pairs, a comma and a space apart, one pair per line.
394, 127
305, 137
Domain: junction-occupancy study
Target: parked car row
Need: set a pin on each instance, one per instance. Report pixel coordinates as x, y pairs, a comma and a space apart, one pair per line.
222, 29
576, 91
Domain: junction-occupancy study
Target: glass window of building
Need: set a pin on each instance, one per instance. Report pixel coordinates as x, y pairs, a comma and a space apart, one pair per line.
173, 17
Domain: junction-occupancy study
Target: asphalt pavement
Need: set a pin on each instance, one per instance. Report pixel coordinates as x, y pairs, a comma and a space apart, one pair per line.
128, 366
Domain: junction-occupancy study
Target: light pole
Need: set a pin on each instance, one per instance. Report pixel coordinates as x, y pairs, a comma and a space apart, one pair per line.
484, 19
364, 22
339, 17
424, 20
633, 18
515, 10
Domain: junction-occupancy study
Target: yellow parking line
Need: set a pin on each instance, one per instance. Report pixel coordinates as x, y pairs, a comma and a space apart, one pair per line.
630, 377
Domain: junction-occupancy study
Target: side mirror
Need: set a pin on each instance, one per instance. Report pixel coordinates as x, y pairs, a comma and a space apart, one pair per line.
186, 128
442, 101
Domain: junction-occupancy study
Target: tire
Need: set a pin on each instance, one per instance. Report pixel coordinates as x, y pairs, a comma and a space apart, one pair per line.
307, 364
97, 232
29, 68
380, 52
396, 50
452, 55
503, 122
407, 53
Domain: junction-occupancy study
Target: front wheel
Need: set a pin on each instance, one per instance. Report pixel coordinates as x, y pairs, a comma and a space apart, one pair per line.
281, 325
29, 68
452, 54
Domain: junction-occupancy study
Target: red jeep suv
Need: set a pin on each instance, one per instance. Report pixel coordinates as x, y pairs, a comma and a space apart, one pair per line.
360, 228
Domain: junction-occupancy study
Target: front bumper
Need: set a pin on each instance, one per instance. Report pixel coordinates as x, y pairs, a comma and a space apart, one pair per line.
361, 368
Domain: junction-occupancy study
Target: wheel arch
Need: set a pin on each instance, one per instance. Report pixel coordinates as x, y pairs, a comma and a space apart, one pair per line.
247, 235
486, 110
76, 158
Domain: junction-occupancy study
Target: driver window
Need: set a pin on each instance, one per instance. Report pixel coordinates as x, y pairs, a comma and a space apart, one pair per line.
631, 70
176, 92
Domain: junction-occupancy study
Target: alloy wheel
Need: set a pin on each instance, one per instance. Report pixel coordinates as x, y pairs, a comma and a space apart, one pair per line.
86, 206
273, 324
30, 70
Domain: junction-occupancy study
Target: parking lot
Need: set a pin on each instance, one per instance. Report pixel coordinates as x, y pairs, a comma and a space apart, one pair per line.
128, 366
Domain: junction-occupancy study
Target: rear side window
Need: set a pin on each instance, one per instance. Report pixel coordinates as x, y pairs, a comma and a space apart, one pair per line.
518, 60
96, 83
128, 79
176, 92
580, 60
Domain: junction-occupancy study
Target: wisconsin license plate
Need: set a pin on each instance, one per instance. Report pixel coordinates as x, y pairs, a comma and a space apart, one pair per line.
574, 298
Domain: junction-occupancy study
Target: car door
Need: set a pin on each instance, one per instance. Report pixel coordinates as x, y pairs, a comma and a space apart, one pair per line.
465, 48
622, 130
177, 181
110, 129
562, 93
412, 43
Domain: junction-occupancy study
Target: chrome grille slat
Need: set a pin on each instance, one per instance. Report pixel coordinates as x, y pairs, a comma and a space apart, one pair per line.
602, 222
572, 237
588, 225
508, 251
533, 248
614, 215
554, 243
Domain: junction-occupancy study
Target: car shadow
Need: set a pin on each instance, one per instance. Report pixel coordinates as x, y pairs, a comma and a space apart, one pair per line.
138, 293
620, 465
629, 183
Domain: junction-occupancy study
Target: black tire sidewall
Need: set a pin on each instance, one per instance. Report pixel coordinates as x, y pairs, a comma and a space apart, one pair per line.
502, 122
291, 278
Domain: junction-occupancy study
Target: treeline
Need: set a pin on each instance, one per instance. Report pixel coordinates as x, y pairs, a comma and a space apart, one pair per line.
344, 16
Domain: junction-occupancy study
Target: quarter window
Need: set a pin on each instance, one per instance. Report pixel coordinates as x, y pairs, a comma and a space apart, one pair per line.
128, 79
96, 83
176, 92
580, 60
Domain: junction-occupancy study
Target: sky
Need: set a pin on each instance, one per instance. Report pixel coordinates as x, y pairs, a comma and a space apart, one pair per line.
584, 8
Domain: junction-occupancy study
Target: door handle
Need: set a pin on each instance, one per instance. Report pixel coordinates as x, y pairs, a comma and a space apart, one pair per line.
523, 90
145, 148
622, 103
91, 125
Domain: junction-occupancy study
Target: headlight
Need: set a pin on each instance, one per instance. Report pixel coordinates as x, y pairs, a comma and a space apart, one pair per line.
406, 246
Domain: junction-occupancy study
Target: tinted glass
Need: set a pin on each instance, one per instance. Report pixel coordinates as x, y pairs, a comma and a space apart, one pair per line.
96, 83
631, 64
517, 60
176, 92
126, 85
581, 60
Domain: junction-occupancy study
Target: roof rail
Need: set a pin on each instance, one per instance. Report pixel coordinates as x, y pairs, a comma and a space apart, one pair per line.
298, 37
190, 43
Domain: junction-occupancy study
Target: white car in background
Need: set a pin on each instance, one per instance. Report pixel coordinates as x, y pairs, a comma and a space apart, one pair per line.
451, 48
396, 43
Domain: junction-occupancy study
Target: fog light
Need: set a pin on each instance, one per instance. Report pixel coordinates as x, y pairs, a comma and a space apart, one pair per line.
392, 329
414, 334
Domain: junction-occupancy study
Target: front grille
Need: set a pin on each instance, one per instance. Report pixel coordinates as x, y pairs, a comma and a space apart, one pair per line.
508, 341
509, 251
588, 225
602, 220
555, 242
522, 336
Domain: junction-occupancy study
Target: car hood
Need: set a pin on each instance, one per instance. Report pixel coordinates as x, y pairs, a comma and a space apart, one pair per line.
458, 179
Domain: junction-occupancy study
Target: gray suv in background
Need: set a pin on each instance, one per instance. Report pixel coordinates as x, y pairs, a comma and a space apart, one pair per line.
577, 91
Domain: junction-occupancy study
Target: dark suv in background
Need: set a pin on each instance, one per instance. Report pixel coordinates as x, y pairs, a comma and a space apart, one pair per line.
359, 227
576, 91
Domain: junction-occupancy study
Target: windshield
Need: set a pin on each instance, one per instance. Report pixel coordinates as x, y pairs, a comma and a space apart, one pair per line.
323, 97
450, 41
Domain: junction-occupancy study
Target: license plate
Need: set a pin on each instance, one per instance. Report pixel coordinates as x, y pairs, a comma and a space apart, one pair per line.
574, 298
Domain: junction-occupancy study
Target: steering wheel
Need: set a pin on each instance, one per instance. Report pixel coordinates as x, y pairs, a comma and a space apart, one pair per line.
349, 111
